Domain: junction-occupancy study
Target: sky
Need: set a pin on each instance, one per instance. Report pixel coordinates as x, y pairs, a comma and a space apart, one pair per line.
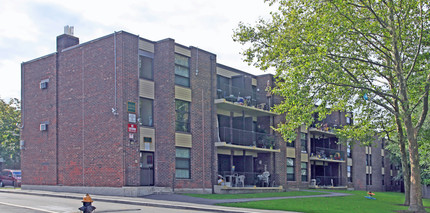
28, 28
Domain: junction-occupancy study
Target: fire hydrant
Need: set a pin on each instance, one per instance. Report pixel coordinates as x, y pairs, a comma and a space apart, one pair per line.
87, 207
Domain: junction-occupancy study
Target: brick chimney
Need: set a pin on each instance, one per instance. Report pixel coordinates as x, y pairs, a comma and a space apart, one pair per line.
67, 39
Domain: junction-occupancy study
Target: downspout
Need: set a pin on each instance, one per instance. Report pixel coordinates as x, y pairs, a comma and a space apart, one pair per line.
212, 61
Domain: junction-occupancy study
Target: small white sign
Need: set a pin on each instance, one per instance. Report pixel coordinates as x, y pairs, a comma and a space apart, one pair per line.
131, 118
130, 136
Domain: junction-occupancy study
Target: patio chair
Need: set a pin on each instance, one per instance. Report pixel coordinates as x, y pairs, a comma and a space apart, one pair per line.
240, 180
265, 178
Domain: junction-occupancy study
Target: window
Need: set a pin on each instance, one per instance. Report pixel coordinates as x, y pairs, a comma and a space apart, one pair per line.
368, 179
182, 116
304, 172
291, 143
368, 160
146, 111
304, 142
383, 179
348, 150
290, 169
182, 163
182, 70
223, 86
145, 67
349, 173
383, 162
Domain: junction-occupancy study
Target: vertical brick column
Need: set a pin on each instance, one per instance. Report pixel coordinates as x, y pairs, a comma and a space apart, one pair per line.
164, 112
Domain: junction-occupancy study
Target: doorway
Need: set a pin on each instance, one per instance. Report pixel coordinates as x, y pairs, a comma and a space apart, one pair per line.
146, 168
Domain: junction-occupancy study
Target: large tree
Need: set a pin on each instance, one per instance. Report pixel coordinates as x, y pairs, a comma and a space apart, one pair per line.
10, 117
348, 55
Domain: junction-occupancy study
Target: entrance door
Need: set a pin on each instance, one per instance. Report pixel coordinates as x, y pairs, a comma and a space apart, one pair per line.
146, 168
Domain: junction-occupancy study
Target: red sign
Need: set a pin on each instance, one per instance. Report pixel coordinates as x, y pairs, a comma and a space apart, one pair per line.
132, 128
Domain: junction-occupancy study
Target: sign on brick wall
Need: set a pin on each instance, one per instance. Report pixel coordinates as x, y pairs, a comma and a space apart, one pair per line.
131, 107
132, 128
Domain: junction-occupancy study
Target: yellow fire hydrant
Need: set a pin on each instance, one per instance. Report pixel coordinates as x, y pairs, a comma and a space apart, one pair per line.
87, 207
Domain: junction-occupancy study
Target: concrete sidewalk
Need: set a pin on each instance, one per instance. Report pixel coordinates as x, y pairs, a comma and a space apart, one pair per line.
173, 201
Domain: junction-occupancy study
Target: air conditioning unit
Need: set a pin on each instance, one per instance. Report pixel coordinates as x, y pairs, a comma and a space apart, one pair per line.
43, 127
43, 85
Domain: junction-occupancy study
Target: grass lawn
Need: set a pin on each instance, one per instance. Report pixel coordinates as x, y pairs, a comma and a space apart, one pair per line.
385, 202
255, 195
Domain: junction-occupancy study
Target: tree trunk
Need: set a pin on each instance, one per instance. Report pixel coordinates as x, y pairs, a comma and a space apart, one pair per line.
404, 158
416, 198
406, 174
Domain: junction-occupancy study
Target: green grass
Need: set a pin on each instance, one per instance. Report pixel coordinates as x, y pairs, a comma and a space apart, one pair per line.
255, 195
385, 202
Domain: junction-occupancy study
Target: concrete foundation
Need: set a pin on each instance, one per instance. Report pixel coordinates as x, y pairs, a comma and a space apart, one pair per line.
110, 191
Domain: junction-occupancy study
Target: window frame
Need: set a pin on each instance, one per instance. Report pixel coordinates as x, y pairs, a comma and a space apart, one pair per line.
294, 170
304, 142
151, 121
304, 170
149, 55
349, 173
188, 159
188, 122
179, 76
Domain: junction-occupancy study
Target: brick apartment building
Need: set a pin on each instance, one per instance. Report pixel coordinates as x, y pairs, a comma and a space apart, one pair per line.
124, 115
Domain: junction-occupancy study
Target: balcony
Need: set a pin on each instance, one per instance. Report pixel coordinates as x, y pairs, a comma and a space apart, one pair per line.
237, 94
246, 140
328, 155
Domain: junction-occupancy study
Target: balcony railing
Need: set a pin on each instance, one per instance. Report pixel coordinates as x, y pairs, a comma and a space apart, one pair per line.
328, 181
246, 138
327, 154
237, 94
232, 179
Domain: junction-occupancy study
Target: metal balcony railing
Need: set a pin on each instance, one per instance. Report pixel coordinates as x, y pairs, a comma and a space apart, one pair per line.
329, 181
246, 138
232, 179
237, 94
327, 154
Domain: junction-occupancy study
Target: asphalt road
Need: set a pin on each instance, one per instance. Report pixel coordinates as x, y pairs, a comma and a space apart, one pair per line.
20, 203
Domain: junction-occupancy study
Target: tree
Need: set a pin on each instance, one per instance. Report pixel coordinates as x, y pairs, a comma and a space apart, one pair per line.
349, 55
10, 117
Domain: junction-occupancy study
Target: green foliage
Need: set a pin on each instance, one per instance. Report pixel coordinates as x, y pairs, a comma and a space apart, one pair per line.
328, 55
10, 117
424, 143
366, 57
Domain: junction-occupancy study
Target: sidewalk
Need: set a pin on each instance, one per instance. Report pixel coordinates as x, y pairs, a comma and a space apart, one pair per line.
173, 201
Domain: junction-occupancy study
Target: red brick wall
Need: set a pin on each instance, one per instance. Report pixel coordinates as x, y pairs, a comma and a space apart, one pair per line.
93, 144
164, 111
38, 161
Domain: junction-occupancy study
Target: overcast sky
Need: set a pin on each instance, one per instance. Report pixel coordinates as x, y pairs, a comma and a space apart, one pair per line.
28, 29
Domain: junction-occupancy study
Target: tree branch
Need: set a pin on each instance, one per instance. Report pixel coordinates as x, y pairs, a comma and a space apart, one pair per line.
419, 47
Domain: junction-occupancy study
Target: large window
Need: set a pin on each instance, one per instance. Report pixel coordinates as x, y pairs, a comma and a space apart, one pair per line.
349, 173
304, 142
368, 160
290, 169
368, 179
182, 70
304, 171
182, 163
383, 162
145, 67
348, 149
146, 111
182, 116
383, 180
